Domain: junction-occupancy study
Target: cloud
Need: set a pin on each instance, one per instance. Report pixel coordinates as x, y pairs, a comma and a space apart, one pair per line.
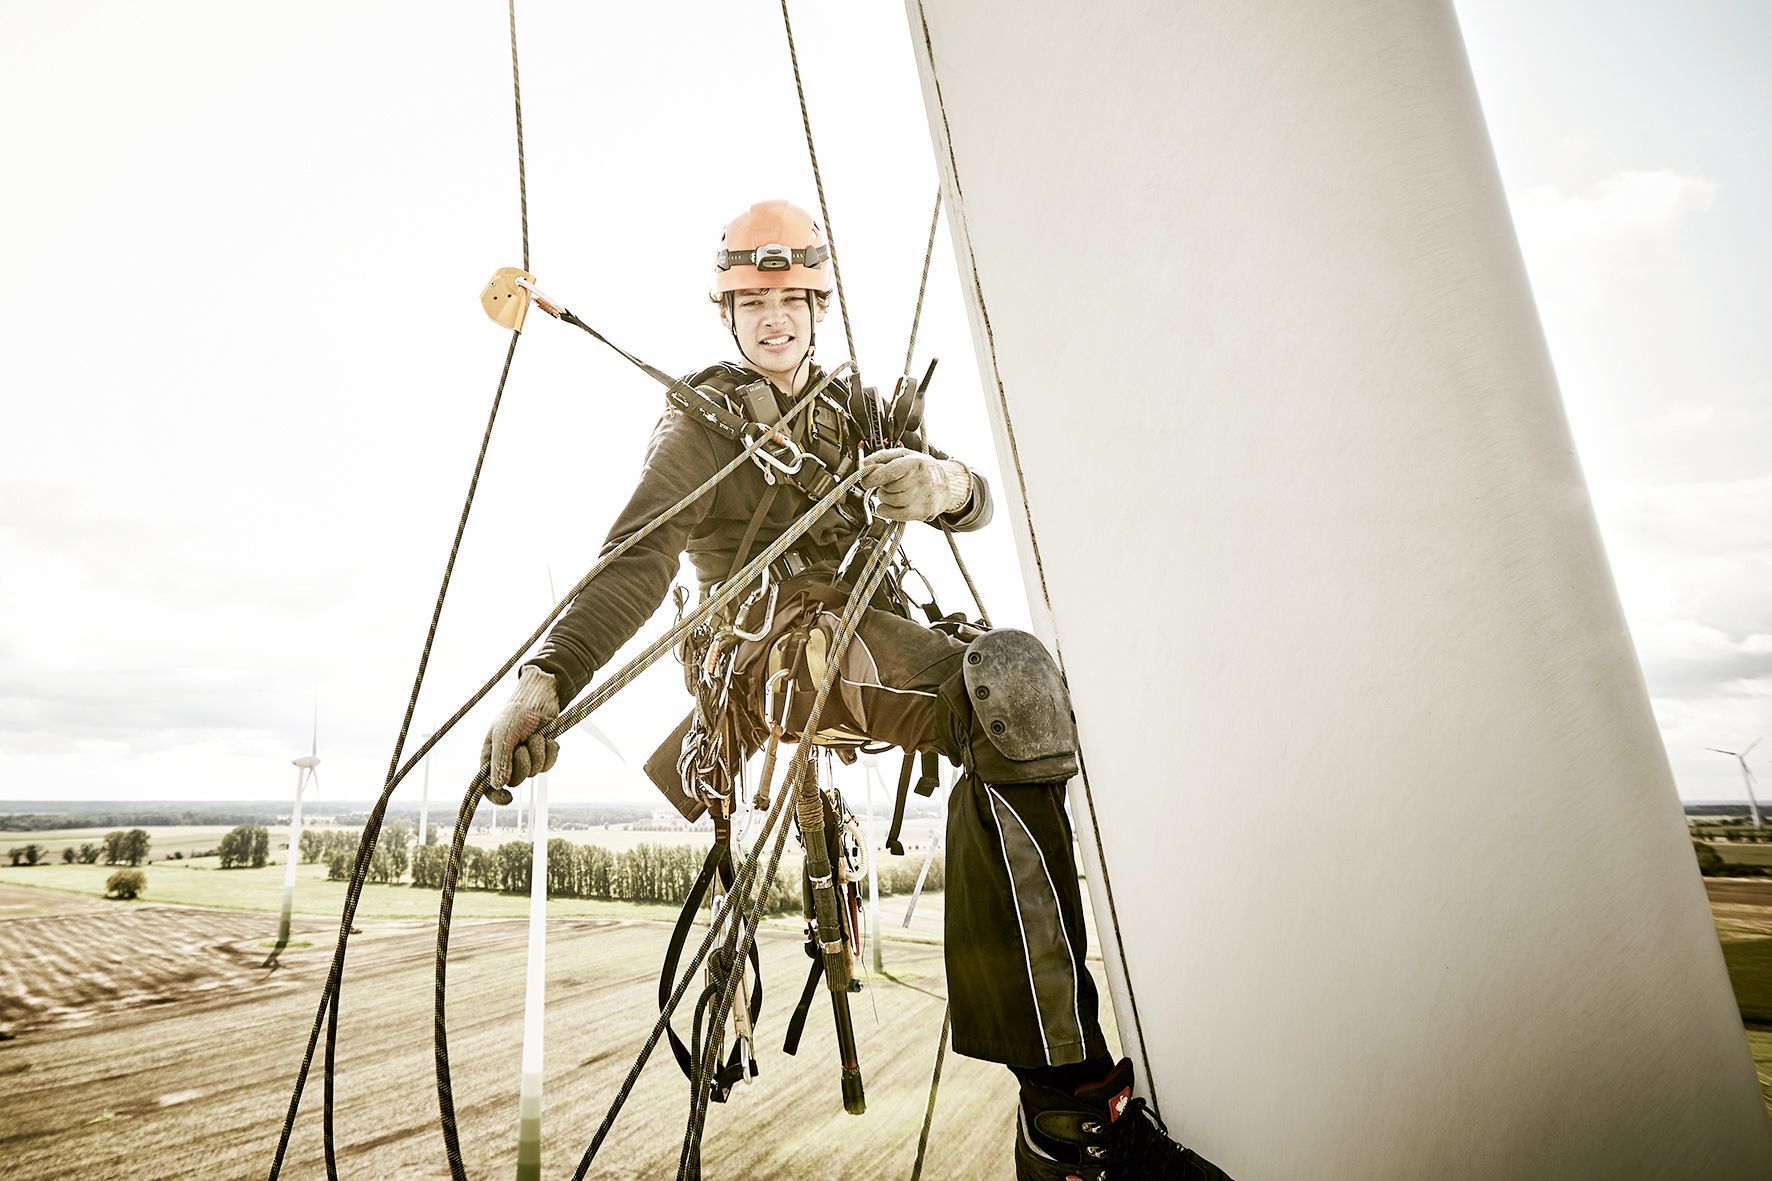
45, 710
1625, 205
184, 563
1683, 658
1721, 518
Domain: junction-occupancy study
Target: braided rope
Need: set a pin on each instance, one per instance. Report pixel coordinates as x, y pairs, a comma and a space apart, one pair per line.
923, 283
517, 101
824, 211
941, 1049
567, 719
327, 1015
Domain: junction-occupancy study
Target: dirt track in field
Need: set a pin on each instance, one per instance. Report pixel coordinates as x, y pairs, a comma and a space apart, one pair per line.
150, 1044
1742, 906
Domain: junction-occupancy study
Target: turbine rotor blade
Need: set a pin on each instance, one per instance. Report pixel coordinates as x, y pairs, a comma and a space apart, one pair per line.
597, 733
1749, 747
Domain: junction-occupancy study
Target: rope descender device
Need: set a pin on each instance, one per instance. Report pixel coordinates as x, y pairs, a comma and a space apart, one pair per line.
508, 294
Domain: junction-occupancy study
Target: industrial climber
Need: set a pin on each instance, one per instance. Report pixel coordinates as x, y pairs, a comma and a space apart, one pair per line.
992, 703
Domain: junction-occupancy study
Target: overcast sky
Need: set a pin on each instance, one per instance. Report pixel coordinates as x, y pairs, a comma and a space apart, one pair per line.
245, 369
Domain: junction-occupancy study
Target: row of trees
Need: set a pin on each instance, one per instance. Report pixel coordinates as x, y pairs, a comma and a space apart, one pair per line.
319, 844
645, 873
387, 863
119, 848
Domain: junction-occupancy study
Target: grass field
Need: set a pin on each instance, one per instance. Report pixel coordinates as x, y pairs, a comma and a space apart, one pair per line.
183, 838
1744, 853
1742, 910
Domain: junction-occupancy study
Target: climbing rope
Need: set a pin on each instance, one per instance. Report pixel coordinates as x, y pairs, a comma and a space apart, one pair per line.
941, 1049
327, 1014
824, 212
910, 348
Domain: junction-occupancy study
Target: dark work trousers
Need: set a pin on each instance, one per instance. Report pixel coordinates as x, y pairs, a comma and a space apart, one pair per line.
1014, 938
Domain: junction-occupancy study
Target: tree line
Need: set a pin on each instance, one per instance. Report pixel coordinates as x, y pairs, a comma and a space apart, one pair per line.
338, 849
645, 873
40, 821
118, 848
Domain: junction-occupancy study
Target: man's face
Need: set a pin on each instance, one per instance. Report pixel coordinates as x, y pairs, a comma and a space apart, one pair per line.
774, 327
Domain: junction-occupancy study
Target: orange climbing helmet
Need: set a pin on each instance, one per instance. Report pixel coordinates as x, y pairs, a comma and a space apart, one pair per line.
772, 244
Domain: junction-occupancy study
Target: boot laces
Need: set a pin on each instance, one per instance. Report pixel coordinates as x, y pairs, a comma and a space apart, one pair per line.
1139, 1141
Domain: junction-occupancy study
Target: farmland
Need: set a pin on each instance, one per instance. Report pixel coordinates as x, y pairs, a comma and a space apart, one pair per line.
151, 1044
149, 1040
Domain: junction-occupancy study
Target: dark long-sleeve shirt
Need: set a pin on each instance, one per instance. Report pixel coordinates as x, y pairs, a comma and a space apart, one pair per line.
682, 454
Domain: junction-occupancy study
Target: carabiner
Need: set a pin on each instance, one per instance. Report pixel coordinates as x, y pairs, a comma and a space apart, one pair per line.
768, 614
782, 677
908, 569
762, 455
543, 300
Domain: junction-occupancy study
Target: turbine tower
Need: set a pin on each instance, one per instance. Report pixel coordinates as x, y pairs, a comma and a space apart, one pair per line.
1747, 775
306, 772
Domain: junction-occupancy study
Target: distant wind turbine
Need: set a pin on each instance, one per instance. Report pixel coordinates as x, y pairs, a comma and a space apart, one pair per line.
1747, 775
307, 771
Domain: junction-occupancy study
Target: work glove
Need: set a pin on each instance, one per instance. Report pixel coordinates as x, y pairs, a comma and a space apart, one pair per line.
515, 747
913, 486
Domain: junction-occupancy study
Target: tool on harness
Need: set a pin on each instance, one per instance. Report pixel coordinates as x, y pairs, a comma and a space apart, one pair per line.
831, 897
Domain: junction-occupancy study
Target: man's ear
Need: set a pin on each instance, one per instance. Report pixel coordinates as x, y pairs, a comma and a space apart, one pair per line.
819, 308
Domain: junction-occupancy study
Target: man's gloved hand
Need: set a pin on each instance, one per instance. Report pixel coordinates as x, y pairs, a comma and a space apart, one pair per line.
914, 486
515, 746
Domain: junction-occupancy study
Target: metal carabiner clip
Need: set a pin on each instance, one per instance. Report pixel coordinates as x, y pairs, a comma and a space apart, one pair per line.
782, 677
543, 300
768, 613
763, 456
906, 570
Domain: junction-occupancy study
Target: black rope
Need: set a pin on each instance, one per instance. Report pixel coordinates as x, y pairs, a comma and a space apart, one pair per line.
941, 1049
824, 211
910, 348
327, 1015
517, 101
329, 1000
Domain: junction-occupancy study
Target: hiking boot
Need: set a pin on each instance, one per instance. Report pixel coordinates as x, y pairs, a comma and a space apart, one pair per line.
1099, 1134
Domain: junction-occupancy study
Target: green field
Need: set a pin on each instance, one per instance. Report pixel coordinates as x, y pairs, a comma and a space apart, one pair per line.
184, 838
1744, 854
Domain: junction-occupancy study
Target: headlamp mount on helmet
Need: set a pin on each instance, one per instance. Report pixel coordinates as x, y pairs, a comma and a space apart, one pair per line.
772, 257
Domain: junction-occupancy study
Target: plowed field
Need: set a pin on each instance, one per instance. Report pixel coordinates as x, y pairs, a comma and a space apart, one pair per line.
149, 1043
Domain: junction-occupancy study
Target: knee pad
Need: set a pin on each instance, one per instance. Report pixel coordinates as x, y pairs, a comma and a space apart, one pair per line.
1017, 720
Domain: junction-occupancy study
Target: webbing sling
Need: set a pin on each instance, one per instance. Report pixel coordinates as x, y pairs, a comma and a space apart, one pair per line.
717, 863
926, 785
